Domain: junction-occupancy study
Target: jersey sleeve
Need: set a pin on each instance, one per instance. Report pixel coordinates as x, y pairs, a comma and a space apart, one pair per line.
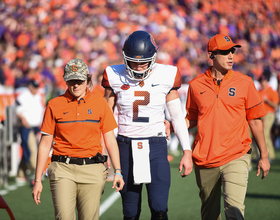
177, 80
254, 104
48, 125
105, 82
191, 106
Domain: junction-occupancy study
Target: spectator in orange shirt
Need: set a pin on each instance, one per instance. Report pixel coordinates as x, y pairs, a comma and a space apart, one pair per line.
221, 103
271, 99
74, 122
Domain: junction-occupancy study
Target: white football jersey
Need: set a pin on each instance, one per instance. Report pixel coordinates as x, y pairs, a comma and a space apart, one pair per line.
141, 107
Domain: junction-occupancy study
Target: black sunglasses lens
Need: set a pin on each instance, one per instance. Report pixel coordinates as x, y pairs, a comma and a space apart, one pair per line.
226, 52
74, 82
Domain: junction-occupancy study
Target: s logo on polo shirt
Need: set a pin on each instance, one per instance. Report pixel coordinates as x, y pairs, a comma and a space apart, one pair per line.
231, 91
89, 111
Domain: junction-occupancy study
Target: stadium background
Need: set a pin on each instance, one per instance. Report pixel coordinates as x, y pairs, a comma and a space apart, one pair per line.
37, 38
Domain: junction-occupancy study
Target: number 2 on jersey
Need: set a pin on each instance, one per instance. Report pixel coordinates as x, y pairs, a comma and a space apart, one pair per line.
136, 103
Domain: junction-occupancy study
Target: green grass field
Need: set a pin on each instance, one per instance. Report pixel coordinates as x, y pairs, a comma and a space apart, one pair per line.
262, 200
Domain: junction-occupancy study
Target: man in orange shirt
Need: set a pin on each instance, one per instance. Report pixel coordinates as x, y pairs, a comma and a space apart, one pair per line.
221, 103
271, 99
74, 123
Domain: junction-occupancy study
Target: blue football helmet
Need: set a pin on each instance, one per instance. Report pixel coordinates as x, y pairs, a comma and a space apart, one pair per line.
139, 47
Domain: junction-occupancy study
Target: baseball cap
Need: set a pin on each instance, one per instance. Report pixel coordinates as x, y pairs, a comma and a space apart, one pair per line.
75, 69
220, 42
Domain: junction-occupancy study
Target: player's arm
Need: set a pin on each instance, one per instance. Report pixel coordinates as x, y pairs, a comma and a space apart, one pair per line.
173, 105
169, 128
110, 98
42, 157
256, 126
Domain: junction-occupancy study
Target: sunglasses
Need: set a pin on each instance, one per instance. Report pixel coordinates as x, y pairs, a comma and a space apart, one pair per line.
226, 52
74, 82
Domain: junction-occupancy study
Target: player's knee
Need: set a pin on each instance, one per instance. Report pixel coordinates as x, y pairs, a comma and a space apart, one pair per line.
161, 215
131, 218
65, 215
131, 210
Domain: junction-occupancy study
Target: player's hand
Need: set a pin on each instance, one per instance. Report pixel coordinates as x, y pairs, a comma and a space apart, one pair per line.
186, 163
263, 165
36, 192
118, 182
168, 129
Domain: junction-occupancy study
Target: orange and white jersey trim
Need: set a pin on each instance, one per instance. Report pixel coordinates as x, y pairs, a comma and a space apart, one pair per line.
141, 104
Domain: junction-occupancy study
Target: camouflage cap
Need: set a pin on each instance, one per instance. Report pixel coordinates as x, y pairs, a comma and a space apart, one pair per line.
75, 69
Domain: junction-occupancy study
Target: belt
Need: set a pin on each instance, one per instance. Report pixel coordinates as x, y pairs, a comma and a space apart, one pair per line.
99, 158
249, 151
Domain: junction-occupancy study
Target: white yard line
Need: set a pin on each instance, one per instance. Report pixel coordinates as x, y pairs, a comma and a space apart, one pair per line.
108, 202
3, 192
11, 188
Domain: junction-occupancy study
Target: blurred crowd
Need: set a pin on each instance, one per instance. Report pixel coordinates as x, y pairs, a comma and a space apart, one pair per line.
37, 38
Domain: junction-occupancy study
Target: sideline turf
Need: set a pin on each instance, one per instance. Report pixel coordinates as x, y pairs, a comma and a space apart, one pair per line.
262, 200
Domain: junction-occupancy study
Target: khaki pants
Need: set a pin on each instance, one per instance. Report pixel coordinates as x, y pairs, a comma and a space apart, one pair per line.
33, 147
268, 123
76, 185
233, 176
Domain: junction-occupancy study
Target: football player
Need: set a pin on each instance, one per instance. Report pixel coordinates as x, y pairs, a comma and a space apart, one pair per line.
140, 88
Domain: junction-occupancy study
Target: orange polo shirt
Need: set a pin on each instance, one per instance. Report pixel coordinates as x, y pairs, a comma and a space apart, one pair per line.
271, 95
222, 117
77, 125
